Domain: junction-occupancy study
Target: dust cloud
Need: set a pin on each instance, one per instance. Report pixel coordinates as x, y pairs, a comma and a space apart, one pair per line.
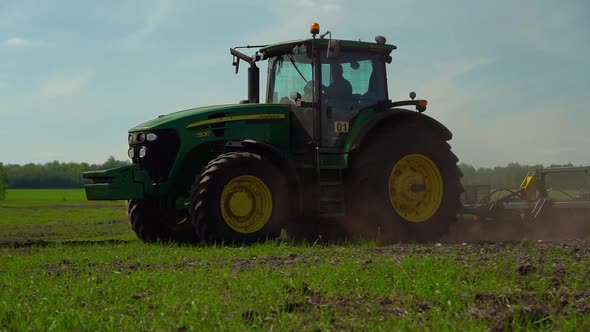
561, 228
558, 228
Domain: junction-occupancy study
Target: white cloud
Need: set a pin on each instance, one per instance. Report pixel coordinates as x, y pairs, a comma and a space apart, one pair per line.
21, 42
304, 3
450, 70
551, 30
545, 133
65, 85
487, 131
330, 7
326, 6
156, 15
443, 91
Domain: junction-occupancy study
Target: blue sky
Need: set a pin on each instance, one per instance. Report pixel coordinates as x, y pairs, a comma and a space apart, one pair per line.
509, 78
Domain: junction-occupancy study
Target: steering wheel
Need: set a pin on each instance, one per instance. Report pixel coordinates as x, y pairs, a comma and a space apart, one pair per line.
309, 87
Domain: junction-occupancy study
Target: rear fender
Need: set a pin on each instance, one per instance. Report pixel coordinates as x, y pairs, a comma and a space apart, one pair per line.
397, 116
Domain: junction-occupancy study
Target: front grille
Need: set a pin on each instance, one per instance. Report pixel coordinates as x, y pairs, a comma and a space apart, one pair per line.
160, 155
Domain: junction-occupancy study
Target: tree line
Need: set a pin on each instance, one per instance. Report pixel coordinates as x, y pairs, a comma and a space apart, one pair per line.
69, 175
3, 182
512, 175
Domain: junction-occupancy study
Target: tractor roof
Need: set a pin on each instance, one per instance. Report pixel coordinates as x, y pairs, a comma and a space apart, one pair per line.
283, 47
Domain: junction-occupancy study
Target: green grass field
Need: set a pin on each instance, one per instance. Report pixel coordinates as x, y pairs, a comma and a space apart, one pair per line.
44, 197
129, 285
60, 215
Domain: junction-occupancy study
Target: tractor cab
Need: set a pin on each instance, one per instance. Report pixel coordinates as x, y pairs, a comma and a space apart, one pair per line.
326, 82
347, 83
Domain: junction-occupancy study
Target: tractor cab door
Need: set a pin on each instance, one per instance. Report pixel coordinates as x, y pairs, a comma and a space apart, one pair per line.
350, 83
290, 74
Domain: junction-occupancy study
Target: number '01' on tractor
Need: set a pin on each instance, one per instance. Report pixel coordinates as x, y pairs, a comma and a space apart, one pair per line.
328, 146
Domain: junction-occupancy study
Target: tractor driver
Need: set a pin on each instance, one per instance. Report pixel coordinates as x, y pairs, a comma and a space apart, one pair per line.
339, 86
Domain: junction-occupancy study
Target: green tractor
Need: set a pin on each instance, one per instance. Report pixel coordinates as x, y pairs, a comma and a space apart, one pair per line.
327, 148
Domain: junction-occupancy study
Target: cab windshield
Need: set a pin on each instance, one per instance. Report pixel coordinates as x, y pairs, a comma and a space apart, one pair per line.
293, 73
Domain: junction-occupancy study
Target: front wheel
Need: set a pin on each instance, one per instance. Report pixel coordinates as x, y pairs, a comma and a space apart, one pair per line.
150, 224
240, 197
405, 182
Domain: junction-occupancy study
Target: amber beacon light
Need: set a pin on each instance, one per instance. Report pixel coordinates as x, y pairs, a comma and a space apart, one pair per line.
315, 28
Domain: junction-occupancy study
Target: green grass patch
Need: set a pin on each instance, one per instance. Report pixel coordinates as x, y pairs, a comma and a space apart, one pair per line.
134, 286
36, 197
128, 285
60, 215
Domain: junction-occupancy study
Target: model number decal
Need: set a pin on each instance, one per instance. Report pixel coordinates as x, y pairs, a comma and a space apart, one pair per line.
204, 134
341, 127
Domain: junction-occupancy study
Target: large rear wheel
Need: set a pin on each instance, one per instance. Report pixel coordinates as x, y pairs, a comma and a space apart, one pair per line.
240, 197
404, 184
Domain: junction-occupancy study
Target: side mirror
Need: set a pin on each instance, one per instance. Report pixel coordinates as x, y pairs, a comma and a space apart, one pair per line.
240, 56
236, 63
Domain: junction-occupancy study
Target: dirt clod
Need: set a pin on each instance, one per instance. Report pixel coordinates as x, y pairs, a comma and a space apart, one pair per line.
525, 268
423, 306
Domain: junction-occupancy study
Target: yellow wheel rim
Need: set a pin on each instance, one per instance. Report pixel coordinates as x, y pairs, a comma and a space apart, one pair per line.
415, 188
246, 204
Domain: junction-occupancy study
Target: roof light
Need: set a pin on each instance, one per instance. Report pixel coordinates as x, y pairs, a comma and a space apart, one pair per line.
421, 105
314, 29
380, 40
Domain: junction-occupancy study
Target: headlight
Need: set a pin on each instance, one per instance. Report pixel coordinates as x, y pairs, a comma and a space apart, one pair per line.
151, 137
140, 137
131, 153
142, 152
130, 139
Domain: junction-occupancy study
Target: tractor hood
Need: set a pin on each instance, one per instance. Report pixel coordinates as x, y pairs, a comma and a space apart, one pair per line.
190, 117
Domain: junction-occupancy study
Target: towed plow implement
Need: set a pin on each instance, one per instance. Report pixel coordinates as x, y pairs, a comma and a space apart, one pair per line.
533, 211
